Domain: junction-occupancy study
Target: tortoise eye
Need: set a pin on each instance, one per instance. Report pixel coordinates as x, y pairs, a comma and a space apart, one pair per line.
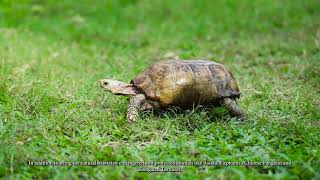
105, 83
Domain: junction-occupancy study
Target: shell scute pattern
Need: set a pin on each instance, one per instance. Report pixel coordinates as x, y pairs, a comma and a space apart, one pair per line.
186, 82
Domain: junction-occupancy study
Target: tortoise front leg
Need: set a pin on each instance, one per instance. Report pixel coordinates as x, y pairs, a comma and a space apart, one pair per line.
135, 105
233, 108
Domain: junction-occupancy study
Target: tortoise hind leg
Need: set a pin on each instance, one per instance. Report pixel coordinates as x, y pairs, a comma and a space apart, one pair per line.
233, 108
136, 104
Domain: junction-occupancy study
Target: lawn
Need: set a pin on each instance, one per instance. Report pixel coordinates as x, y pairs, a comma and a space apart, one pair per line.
52, 54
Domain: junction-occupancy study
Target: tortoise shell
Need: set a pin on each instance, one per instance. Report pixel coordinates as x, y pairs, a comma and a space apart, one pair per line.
183, 82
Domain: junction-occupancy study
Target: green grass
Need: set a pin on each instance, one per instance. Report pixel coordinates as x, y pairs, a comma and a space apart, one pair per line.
52, 54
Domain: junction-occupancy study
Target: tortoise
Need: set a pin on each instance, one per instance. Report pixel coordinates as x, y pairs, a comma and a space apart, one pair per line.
181, 83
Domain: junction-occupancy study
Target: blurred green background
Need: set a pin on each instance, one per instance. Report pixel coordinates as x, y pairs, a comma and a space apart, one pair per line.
52, 54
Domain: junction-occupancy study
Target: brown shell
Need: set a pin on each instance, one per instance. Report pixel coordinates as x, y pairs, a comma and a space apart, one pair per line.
183, 82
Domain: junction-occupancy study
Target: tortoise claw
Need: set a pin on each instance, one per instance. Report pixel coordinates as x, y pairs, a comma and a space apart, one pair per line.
130, 118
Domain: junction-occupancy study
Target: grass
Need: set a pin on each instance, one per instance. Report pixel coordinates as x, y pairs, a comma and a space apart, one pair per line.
52, 55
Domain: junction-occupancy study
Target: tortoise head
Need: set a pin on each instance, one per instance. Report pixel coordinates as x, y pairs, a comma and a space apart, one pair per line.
118, 87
